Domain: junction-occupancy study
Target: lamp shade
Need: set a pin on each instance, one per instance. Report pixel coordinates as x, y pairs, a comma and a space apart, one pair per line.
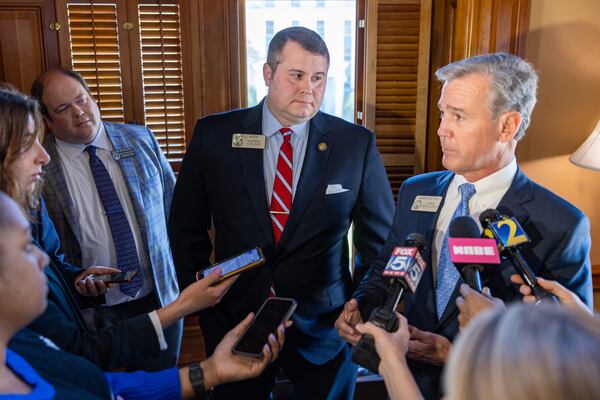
588, 154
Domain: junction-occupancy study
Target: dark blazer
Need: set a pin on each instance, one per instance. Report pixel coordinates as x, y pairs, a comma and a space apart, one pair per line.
82, 380
127, 342
559, 250
73, 377
226, 186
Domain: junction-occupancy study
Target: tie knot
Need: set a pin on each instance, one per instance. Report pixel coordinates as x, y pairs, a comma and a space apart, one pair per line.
467, 190
287, 134
91, 150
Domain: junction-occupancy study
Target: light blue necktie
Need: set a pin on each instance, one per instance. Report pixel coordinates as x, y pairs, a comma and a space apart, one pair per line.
447, 275
127, 257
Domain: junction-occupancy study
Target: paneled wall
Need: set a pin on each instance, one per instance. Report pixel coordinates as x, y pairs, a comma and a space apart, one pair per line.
28, 46
563, 44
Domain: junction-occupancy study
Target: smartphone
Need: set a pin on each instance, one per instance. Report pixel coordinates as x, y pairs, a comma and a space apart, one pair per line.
116, 277
274, 312
237, 264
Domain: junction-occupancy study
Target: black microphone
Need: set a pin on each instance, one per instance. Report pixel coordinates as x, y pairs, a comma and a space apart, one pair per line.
465, 227
405, 268
509, 235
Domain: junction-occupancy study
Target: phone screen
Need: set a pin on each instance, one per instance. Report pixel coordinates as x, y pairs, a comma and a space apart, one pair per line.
233, 264
274, 311
117, 277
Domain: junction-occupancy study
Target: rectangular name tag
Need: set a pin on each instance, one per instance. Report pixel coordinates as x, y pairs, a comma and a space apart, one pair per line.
122, 153
426, 203
248, 141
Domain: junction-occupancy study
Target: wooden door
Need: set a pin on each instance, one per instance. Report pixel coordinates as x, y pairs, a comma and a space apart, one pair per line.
28, 43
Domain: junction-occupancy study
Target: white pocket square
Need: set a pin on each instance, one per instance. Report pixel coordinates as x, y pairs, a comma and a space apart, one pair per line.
333, 189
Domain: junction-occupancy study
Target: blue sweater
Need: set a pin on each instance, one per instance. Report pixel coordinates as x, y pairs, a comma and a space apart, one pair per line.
53, 373
40, 389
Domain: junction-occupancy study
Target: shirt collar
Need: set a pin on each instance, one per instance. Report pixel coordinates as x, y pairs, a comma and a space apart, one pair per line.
271, 126
488, 189
74, 150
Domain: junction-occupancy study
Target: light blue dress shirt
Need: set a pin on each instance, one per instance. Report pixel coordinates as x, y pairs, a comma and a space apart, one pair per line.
274, 140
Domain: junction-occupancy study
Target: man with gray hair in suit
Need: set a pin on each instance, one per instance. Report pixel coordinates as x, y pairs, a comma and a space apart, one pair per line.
485, 108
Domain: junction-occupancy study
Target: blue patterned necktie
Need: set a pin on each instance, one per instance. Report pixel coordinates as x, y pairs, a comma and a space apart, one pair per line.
127, 257
447, 275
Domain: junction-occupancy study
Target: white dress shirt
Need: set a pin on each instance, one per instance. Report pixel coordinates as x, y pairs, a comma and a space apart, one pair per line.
489, 192
97, 247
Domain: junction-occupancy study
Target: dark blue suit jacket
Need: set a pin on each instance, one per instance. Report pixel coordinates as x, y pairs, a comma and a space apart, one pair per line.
559, 250
76, 378
226, 186
72, 377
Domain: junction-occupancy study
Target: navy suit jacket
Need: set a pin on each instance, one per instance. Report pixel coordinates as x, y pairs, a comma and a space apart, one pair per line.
124, 344
226, 186
76, 378
72, 377
559, 250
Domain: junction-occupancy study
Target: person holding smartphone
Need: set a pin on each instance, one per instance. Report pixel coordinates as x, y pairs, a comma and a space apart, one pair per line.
129, 342
33, 367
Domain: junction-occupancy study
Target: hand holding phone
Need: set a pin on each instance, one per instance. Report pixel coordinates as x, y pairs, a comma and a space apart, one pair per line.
230, 367
273, 312
116, 277
88, 287
202, 294
236, 265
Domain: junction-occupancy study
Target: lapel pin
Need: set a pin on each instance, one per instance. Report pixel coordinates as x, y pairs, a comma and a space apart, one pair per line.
322, 146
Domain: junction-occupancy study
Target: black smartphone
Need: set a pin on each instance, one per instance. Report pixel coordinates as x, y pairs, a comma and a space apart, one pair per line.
116, 277
237, 264
273, 312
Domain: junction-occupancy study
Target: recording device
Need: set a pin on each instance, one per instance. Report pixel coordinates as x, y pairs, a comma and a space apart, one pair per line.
273, 312
404, 268
468, 251
115, 277
236, 265
509, 235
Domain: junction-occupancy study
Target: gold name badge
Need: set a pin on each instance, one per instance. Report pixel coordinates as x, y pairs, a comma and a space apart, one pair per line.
426, 203
248, 141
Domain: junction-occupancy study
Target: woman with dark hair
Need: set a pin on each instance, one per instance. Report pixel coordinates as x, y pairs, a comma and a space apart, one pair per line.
126, 343
34, 367
20, 128
21, 160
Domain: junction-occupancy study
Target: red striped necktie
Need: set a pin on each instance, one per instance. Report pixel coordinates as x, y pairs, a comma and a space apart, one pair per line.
281, 200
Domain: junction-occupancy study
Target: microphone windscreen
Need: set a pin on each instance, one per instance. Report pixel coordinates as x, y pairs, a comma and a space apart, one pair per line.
417, 240
463, 227
489, 215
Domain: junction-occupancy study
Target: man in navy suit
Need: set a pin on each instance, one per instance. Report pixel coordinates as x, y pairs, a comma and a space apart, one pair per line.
485, 108
236, 176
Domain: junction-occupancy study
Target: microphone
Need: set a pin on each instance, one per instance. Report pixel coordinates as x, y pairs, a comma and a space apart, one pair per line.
468, 251
405, 269
509, 235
